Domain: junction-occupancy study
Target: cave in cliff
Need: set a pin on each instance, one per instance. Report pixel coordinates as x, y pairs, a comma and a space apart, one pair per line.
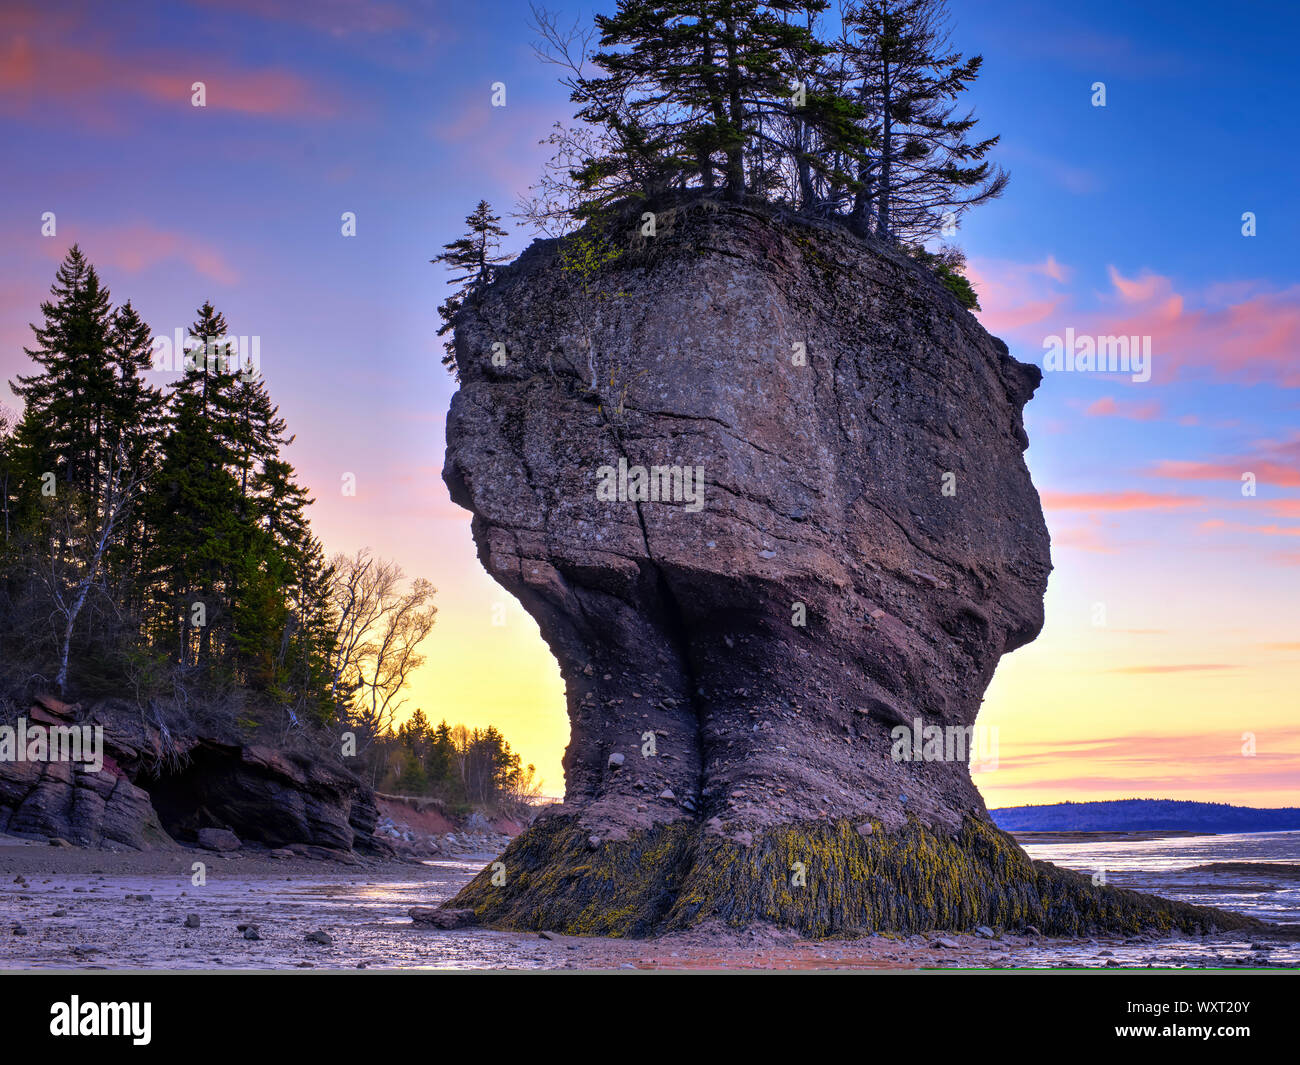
207, 790
867, 544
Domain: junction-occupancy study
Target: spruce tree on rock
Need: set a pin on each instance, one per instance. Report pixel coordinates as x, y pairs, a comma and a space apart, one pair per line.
706, 80
472, 260
924, 173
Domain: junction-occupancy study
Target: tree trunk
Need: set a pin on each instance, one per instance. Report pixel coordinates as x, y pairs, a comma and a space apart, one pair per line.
736, 119
886, 158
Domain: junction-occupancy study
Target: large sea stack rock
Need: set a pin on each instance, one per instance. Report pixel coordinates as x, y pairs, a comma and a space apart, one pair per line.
865, 546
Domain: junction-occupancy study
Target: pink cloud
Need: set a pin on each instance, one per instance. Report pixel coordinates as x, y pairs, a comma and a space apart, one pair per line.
1273, 462
138, 247
34, 72
1108, 407
1015, 295
1086, 538
1143, 290
1261, 530
1117, 501
1240, 332
1055, 270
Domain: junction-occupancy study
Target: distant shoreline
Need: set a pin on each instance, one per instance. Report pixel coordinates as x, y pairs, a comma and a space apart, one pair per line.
1079, 836
1161, 816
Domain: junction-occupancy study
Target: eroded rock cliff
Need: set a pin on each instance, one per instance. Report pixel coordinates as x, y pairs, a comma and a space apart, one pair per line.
154, 790
762, 486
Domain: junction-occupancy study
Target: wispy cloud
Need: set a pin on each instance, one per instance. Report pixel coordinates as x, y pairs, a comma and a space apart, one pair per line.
1274, 462
1247, 332
1118, 501
81, 80
1182, 667
140, 246
1109, 407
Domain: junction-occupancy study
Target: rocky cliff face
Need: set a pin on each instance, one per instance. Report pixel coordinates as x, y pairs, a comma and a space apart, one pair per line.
762, 487
153, 791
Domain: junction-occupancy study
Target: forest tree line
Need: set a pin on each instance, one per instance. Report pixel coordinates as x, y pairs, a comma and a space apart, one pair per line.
462, 767
155, 544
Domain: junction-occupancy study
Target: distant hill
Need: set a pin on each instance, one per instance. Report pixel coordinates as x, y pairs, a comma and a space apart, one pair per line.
1145, 815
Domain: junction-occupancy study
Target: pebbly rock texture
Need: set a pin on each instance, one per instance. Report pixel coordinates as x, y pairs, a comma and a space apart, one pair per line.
867, 545
154, 790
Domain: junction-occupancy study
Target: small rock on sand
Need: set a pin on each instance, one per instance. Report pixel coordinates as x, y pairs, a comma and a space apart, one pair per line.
218, 839
439, 918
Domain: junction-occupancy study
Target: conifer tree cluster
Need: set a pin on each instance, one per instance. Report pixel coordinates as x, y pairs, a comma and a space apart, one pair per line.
848, 114
462, 767
155, 541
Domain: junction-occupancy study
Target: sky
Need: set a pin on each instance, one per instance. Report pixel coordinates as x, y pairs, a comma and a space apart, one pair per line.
1170, 660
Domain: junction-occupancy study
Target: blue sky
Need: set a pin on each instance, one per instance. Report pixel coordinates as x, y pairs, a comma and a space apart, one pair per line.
1122, 218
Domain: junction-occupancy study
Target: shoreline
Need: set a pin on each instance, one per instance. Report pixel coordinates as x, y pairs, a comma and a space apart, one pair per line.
92, 910
1103, 835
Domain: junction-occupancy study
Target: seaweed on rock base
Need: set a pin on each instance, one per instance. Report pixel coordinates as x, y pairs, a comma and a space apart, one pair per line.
823, 878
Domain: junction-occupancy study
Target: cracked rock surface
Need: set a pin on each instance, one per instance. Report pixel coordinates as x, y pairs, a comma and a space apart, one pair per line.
868, 544
675, 626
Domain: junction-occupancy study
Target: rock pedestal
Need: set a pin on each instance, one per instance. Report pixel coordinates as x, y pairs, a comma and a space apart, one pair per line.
762, 486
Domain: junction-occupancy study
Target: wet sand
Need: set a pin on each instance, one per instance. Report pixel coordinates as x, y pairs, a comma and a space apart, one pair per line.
87, 909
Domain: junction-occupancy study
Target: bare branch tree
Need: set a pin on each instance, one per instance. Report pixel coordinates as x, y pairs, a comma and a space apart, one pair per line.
70, 580
380, 624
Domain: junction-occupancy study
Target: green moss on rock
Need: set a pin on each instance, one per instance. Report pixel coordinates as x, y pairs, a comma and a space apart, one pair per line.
821, 878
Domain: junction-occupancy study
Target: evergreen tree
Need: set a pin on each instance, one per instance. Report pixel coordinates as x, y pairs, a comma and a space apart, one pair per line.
8, 478
699, 84
757, 99
923, 173
134, 431
65, 403
135, 415
196, 508
178, 530
472, 260
307, 643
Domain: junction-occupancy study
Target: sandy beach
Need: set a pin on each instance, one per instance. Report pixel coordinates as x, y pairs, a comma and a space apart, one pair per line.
73, 908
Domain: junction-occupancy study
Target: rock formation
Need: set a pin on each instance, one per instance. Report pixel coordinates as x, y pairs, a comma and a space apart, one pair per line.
867, 545
153, 791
